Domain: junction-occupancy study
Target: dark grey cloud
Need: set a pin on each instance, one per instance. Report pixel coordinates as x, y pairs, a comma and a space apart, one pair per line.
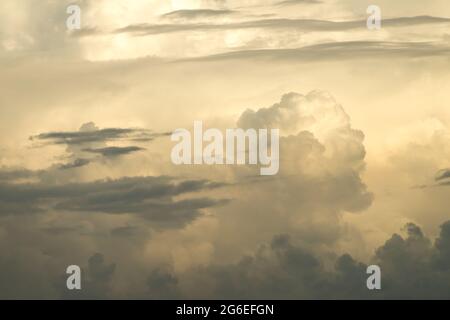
198, 13
295, 2
11, 174
412, 267
96, 280
90, 143
149, 197
281, 270
443, 184
337, 51
163, 213
147, 135
442, 174
84, 32
46, 28
58, 231
441, 178
304, 25
79, 137
125, 231
89, 133
77, 163
114, 151
162, 284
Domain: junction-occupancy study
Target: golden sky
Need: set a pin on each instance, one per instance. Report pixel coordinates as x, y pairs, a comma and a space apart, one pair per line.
85, 170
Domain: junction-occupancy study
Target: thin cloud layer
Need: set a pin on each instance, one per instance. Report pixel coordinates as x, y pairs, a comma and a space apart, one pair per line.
91, 144
114, 151
301, 25
338, 51
89, 133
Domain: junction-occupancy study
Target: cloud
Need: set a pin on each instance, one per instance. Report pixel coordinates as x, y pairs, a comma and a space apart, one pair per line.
11, 174
60, 231
77, 163
412, 267
90, 144
197, 13
337, 51
319, 150
442, 174
304, 25
322, 161
84, 32
96, 280
316, 112
114, 151
295, 2
278, 270
125, 231
162, 284
149, 197
89, 133
171, 237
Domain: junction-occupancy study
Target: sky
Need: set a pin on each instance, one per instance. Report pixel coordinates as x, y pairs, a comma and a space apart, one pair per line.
86, 176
